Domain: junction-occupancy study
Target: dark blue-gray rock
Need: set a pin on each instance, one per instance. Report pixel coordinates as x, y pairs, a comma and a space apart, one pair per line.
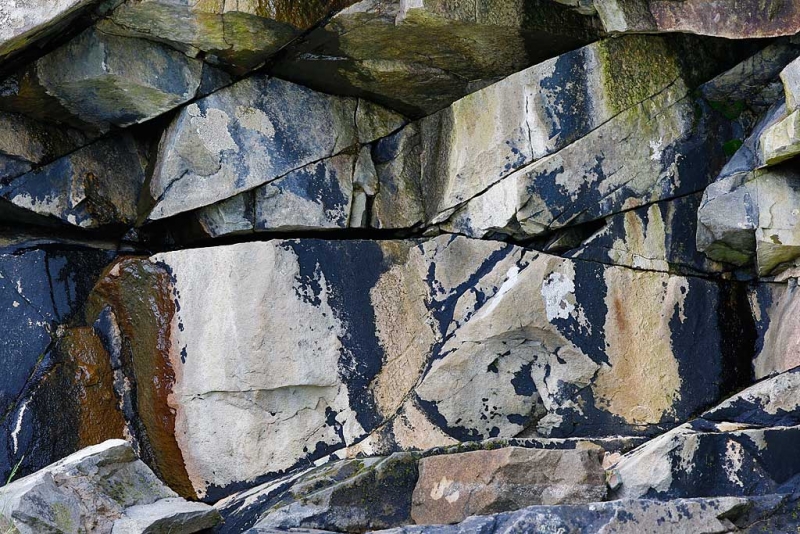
739, 448
253, 133
97, 81
43, 288
94, 490
418, 57
94, 187
536, 344
628, 516
26, 143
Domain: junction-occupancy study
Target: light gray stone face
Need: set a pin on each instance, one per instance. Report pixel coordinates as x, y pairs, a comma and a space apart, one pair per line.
92, 491
100, 81
388, 328
775, 308
790, 76
781, 141
249, 134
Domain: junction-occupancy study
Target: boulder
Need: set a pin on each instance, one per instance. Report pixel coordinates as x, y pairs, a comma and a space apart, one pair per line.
775, 311
781, 141
48, 363
94, 187
389, 327
418, 57
627, 516
732, 19
238, 36
92, 491
26, 143
454, 487
790, 76
254, 132
558, 152
96, 81
735, 449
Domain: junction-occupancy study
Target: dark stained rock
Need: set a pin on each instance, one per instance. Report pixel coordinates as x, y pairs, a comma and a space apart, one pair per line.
96, 81
418, 57
775, 311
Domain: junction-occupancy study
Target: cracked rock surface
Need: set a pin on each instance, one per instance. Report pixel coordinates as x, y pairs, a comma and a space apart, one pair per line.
408, 266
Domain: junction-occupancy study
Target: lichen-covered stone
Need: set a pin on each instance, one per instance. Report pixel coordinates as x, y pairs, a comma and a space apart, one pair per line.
388, 327
418, 57
92, 491
252, 133
96, 186
732, 19
781, 141
775, 308
790, 76
239, 36
97, 81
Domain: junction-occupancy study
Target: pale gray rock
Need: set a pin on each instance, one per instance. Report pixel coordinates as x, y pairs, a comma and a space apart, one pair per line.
775, 308
166, 516
732, 19
229, 217
251, 133
781, 141
388, 328
453, 487
90, 491
790, 76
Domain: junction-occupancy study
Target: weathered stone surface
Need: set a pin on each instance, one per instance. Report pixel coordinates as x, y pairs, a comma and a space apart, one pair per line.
537, 151
45, 365
732, 19
25, 23
254, 132
775, 310
659, 237
418, 57
738, 448
98, 81
388, 328
239, 36
790, 76
781, 141
26, 143
710, 516
91, 491
96, 186
170, 515
454, 487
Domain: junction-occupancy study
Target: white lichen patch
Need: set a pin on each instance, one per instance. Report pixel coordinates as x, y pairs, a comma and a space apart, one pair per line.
212, 129
555, 290
734, 458
255, 119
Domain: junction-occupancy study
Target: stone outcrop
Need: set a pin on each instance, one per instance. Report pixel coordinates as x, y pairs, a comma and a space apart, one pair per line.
103, 489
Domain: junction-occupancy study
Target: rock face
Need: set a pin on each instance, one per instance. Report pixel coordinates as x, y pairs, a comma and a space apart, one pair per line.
99, 81
733, 19
454, 487
101, 489
417, 57
239, 36
385, 376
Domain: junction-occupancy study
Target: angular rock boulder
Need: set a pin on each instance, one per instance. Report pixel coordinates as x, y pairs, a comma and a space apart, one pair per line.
781, 141
92, 491
239, 36
257, 131
418, 57
775, 311
454, 487
388, 328
732, 19
96, 81
97, 186
736, 449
